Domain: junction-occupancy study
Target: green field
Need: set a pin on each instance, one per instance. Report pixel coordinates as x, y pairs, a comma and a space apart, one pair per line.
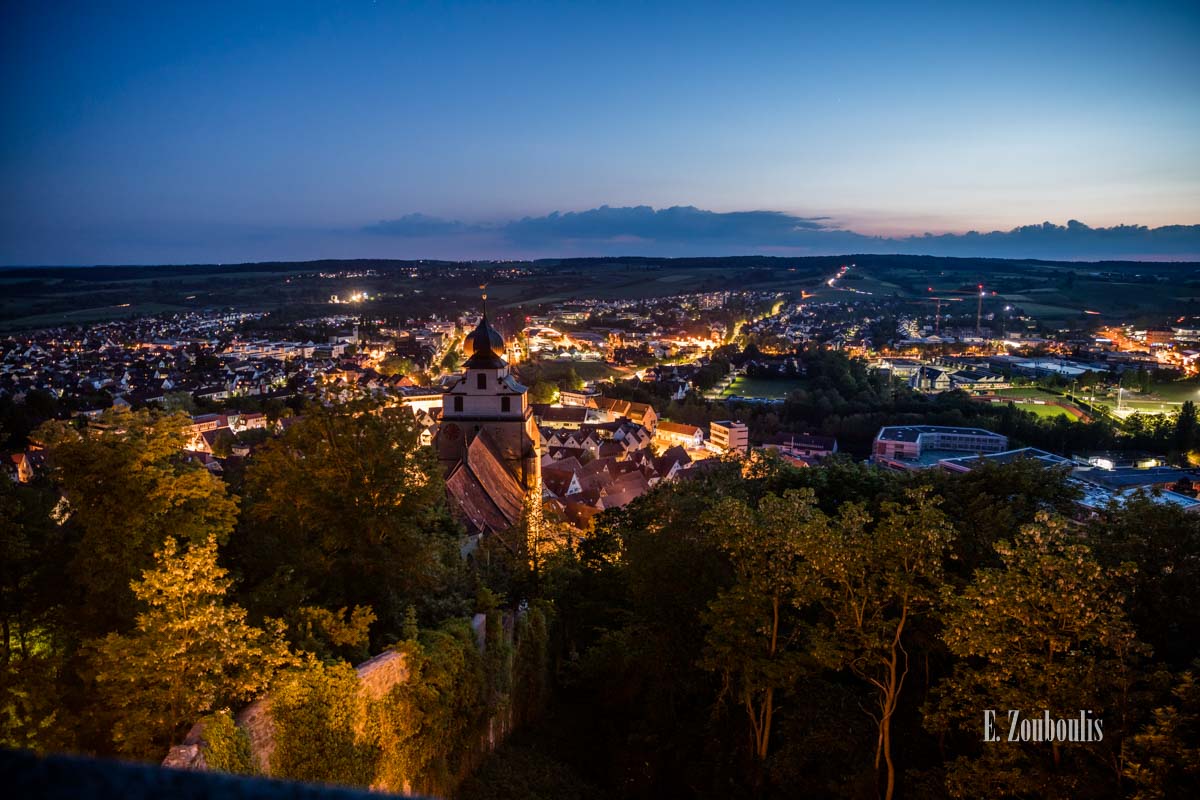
1163, 398
1022, 398
589, 370
86, 315
555, 370
1047, 411
1177, 391
763, 388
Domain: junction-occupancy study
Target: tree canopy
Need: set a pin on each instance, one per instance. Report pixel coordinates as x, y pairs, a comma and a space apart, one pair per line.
191, 652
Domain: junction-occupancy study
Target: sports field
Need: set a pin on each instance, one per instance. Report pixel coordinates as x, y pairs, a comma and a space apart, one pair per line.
1163, 398
1040, 402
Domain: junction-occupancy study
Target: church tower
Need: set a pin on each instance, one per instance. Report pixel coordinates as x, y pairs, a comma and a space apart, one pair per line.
487, 401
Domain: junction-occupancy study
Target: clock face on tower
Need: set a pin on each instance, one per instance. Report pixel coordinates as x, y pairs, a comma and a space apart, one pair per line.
452, 432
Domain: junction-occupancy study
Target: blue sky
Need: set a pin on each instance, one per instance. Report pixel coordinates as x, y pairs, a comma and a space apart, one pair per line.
176, 132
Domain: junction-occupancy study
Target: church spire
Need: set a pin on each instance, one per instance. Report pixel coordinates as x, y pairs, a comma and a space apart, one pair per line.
484, 346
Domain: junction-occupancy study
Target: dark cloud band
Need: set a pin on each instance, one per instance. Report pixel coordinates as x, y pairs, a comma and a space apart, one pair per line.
687, 230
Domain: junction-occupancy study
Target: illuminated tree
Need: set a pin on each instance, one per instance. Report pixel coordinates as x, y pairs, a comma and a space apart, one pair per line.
542, 536
191, 653
319, 713
870, 583
572, 380
126, 489
329, 634
1046, 633
31, 587
1186, 436
397, 365
543, 392
223, 442
752, 625
429, 724
1163, 758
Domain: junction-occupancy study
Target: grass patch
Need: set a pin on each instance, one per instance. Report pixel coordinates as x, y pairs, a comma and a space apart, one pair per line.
1177, 391
1163, 398
555, 370
764, 388
85, 315
1045, 410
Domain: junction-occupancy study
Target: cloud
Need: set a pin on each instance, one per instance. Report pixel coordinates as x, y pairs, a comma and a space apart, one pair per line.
419, 226
678, 224
1074, 240
603, 231
687, 230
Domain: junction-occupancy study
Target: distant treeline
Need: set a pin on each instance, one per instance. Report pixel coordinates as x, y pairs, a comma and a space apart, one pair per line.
935, 264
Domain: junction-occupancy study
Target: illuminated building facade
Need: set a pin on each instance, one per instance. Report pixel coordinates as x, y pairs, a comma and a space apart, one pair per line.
488, 442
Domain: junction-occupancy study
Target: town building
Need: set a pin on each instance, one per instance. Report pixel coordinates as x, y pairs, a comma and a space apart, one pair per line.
676, 433
1099, 489
578, 397
1114, 459
641, 413
549, 416
729, 436
930, 379
910, 447
802, 449
968, 463
979, 381
420, 398
1158, 337
903, 368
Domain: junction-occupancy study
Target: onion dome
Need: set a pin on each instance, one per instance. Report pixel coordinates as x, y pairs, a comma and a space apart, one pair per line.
483, 347
484, 337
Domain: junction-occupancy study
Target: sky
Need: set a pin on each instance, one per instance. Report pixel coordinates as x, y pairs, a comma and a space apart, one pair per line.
222, 132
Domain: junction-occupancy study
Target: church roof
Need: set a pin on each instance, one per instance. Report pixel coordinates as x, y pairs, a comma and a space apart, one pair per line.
483, 489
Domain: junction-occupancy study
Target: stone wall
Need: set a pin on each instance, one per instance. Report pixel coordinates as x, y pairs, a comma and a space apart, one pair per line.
376, 677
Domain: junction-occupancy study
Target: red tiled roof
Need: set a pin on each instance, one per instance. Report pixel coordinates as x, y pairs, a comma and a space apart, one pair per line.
483, 489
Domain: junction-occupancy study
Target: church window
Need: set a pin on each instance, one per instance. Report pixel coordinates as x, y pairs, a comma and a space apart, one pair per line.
481, 381
458, 403
506, 404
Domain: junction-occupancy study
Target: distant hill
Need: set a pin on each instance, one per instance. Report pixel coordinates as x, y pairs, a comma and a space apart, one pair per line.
117, 272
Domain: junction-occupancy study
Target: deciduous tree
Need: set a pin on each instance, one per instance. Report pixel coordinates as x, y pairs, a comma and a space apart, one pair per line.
348, 509
190, 654
753, 625
1047, 632
870, 583
126, 490
543, 392
397, 365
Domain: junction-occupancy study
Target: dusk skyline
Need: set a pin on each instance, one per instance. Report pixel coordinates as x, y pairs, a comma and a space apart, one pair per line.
213, 132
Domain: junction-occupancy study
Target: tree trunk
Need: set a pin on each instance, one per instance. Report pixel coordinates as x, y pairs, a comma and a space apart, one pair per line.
895, 680
764, 738
887, 755
762, 732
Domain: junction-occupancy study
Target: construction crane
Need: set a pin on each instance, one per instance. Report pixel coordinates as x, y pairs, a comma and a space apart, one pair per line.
979, 313
937, 318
